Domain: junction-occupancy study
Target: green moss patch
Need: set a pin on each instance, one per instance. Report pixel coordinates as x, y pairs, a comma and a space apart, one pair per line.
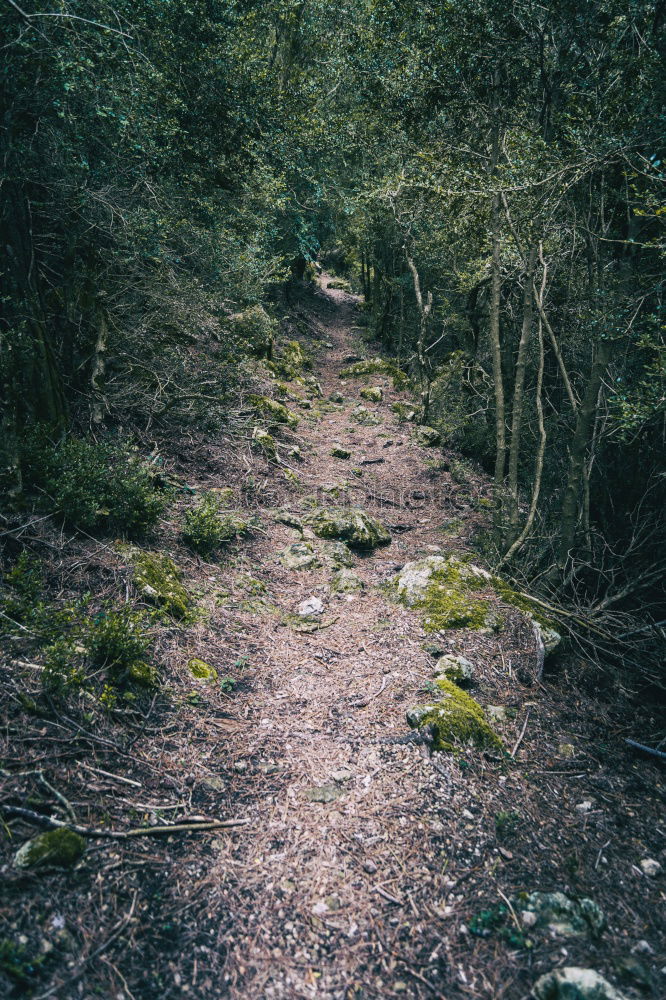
273, 412
157, 577
376, 366
351, 525
456, 720
53, 849
202, 670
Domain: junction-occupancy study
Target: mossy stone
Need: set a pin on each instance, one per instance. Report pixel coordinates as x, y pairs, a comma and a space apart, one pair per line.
375, 366
337, 451
157, 577
299, 555
273, 412
372, 393
202, 670
54, 849
441, 587
456, 720
351, 525
404, 412
428, 437
346, 581
337, 554
457, 669
564, 916
336, 397
573, 983
362, 415
142, 673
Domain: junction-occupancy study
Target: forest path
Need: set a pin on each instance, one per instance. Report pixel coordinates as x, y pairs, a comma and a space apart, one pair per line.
342, 885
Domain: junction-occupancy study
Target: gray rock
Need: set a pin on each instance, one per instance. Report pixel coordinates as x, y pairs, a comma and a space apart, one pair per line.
427, 436
336, 397
299, 555
323, 793
310, 607
60, 848
571, 983
346, 581
457, 669
337, 555
414, 578
351, 525
650, 867
362, 415
564, 916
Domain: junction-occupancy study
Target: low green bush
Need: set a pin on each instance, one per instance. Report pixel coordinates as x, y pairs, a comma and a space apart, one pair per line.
206, 527
94, 486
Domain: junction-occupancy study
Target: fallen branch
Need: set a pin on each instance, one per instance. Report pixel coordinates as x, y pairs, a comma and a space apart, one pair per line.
649, 750
522, 733
141, 831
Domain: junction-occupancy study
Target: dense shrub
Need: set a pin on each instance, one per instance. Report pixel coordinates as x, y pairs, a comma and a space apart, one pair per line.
94, 486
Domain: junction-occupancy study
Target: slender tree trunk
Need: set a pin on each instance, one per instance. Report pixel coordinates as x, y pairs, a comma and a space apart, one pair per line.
587, 412
518, 392
495, 291
425, 309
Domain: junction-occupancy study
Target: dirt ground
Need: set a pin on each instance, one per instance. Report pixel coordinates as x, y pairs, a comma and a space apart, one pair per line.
366, 866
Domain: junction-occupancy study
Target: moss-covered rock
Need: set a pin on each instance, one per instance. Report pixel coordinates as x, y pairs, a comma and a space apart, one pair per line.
54, 849
265, 443
375, 366
454, 721
428, 437
339, 285
546, 628
442, 588
351, 525
142, 673
573, 983
336, 397
337, 555
299, 555
337, 451
362, 415
157, 578
346, 581
561, 915
273, 412
372, 393
457, 669
201, 670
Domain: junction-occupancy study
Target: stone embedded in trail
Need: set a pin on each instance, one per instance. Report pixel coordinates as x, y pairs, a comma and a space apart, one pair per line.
54, 849
457, 669
375, 366
351, 525
272, 411
311, 606
372, 393
299, 555
337, 555
337, 451
415, 578
456, 720
427, 436
336, 397
572, 983
323, 793
362, 415
346, 581
563, 916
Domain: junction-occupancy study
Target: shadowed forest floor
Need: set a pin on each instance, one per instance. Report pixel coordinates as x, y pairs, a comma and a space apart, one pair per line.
368, 866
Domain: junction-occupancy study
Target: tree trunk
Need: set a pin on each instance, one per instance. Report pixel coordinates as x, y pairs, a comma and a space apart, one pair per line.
518, 391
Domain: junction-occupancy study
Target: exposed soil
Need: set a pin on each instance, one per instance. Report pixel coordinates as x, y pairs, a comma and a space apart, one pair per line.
392, 886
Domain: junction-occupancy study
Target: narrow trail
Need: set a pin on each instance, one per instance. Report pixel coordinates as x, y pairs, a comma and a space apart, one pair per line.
347, 896
370, 868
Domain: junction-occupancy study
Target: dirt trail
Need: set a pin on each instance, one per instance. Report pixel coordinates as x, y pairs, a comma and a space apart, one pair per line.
369, 892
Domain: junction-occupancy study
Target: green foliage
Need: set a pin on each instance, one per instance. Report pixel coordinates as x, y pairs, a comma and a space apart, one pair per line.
19, 963
64, 672
117, 642
506, 823
94, 486
207, 528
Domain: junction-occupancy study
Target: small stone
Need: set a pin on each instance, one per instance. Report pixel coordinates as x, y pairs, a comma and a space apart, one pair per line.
650, 867
296, 453
202, 670
566, 750
299, 555
346, 581
496, 713
528, 918
336, 397
457, 669
370, 867
323, 793
563, 916
584, 807
643, 947
309, 607
240, 766
337, 451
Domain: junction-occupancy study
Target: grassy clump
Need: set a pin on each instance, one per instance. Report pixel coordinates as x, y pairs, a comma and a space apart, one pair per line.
207, 528
94, 486
117, 642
